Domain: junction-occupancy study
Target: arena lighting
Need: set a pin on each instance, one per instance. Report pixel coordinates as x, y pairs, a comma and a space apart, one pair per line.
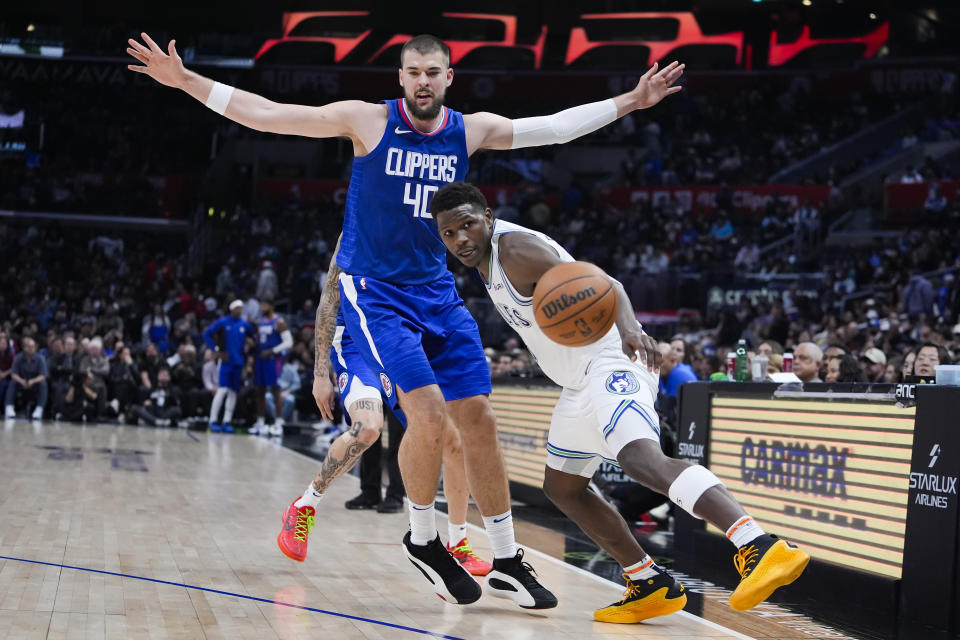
460, 48
781, 53
341, 46
688, 33
806, 3
873, 16
31, 27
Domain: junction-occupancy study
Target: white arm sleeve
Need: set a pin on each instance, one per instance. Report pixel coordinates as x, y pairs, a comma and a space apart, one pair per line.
286, 342
563, 126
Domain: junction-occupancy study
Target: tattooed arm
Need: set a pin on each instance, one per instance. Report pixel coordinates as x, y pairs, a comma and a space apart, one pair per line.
324, 328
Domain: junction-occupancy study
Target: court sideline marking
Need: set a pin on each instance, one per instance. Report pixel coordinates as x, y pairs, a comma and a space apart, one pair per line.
235, 595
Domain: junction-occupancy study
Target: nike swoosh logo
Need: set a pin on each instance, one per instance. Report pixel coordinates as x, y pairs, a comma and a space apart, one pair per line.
501, 519
288, 526
420, 508
399, 130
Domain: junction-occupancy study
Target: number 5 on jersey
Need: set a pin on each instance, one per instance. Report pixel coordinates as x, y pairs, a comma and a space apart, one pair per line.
419, 196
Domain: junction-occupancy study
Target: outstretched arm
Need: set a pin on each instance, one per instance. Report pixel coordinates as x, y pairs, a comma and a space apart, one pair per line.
490, 131
337, 119
324, 329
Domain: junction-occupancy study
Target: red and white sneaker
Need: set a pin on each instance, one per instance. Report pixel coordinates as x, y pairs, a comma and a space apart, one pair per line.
471, 562
297, 524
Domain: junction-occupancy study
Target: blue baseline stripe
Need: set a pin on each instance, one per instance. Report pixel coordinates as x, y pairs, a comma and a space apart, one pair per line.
238, 595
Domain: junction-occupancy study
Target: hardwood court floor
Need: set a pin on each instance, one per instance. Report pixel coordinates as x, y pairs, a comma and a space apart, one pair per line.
121, 532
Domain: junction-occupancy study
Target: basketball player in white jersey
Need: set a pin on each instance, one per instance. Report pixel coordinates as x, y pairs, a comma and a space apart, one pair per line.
606, 412
404, 311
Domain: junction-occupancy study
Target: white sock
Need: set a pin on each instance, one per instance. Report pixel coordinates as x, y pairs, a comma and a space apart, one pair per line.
423, 524
231, 405
456, 532
259, 423
217, 403
743, 531
500, 531
641, 570
310, 498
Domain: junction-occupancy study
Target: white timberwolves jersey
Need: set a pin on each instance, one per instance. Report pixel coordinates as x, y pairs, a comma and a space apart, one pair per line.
567, 366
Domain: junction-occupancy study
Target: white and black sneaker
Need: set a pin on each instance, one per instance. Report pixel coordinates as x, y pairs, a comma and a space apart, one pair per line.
449, 579
513, 578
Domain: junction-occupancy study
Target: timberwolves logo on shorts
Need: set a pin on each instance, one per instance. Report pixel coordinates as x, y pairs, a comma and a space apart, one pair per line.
622, 382
342, 381
387, 385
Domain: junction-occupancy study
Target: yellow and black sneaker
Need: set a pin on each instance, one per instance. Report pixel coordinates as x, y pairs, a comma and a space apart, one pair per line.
765, 565
645, 599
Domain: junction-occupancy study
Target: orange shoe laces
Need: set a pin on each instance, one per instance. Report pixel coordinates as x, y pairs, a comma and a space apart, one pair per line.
633, 589
745, 557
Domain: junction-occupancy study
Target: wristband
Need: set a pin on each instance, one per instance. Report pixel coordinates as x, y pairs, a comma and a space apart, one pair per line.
219, 97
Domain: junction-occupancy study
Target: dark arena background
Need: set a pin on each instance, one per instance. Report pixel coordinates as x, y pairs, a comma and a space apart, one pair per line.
801, 194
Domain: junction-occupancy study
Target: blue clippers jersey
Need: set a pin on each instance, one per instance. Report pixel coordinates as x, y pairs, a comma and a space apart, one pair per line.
388, 232
269, 336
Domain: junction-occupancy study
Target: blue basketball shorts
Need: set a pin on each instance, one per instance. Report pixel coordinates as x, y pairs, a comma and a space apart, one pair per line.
356, 380
417, 334
267, 372
231, 376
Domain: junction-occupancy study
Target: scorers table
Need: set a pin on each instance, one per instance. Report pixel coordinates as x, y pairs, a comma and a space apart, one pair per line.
863, 476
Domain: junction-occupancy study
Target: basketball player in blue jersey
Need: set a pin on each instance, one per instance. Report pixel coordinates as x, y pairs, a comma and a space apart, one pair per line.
606, 412
363, 392
274, 339
402, 306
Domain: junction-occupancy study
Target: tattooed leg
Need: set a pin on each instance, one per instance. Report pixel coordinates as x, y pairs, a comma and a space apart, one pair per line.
347, 449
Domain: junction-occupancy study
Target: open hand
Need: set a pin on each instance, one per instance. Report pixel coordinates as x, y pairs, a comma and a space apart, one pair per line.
165, 68
655, 85
639, 343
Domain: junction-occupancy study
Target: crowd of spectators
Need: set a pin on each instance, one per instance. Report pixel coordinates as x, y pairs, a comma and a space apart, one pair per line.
109, 327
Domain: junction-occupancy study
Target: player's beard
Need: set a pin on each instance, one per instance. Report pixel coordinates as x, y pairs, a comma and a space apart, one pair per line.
427, 113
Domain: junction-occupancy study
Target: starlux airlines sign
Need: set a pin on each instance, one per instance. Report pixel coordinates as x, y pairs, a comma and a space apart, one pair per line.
679, 29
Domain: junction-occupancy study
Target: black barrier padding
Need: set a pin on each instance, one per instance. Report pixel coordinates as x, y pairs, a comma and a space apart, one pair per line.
693, 429
929, 590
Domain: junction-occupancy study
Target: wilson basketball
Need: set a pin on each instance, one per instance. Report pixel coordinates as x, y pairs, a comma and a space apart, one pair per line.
575, 304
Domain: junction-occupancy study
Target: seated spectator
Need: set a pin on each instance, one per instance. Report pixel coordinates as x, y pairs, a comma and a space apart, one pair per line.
833, 369
873, 362
188, 378
929, 357
849, 369
936, 201
906, 368
673, 374
62, 368
289, 383
6, 363
124, 380
149, 365
160, 406
155, 329
774, 364
97, 363
28, 375
82, 400
806, 362
770, 347
722, 229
